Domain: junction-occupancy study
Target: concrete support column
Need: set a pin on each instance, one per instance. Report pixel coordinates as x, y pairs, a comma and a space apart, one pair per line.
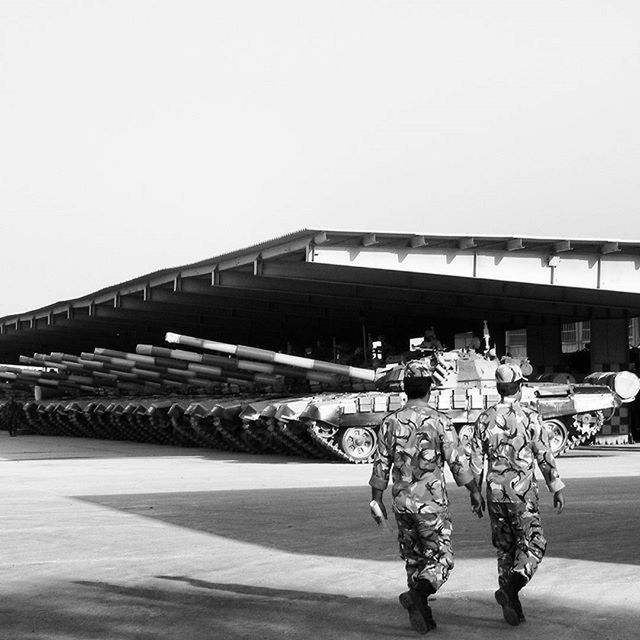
609, 344
544, 347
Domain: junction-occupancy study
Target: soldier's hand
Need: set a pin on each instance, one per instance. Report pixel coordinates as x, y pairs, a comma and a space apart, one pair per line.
477, 503
378, 510
558, 501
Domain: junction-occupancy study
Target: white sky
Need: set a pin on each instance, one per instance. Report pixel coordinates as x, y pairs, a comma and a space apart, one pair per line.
137, 135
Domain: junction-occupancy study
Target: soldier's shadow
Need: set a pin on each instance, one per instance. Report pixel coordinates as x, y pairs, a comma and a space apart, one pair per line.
167, 607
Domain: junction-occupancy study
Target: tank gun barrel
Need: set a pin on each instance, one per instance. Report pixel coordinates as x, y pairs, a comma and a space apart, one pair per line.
103, 375
41, 361
232, 364
129, 371
623, 383
99, 373
93, 376
45, 379
151, 375
179, 370
264, 355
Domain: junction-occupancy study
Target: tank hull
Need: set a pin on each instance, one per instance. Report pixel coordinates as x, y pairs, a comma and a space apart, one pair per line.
338, 426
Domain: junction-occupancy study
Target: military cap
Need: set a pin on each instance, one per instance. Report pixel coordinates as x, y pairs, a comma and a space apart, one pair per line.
417, 369
509, 372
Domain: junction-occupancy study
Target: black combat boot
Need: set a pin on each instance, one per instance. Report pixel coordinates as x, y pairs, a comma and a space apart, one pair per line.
519, 611
426, 589
412, 602
415, 602
517, 582
507, 598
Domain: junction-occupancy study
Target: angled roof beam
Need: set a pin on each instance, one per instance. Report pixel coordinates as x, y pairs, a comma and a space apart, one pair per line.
609, 247
562, 245
320, 238
239, 261
369, 240
515, 244
418, 241
285, 249
467, 243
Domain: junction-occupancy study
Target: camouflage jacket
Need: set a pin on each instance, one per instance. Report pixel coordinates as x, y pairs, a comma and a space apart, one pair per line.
416, 440
512, 438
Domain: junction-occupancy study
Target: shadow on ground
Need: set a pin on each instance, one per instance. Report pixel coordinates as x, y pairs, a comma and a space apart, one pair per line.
170, 607
37, 447
600, 523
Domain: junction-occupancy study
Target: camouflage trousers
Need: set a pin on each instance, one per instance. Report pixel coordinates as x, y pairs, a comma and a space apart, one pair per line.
516, 532
425, 546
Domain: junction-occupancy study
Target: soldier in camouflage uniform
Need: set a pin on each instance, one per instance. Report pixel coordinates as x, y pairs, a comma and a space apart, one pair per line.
416, 441
12, 412
512, 438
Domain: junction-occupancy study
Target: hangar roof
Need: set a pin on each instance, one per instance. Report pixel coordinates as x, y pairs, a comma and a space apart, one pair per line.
322, 284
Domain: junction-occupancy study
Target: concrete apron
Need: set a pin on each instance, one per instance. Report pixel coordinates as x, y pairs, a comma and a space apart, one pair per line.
125, 540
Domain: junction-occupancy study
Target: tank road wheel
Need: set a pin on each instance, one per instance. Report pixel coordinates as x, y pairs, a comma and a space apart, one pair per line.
558, 436
359, 443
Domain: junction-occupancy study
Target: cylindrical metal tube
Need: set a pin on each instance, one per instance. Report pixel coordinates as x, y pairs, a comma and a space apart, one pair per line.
232, 364
624, 384
264, 355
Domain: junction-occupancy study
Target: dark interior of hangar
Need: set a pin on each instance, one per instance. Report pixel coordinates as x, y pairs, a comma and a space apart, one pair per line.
293, 305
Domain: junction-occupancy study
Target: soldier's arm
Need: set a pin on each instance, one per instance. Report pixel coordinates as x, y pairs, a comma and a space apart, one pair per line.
475, 451
546, 462
454, 453
382, 462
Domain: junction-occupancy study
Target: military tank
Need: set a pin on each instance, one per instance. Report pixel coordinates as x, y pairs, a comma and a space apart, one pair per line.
344, 425
464, 387
258, 401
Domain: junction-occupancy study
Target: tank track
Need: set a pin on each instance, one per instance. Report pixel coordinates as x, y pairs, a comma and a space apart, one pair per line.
329, 443
288, 444
580, 432
218, 423
214, 423
305, 442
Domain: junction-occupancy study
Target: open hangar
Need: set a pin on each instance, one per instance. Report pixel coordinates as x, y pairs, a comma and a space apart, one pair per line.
83, 513
313, 289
